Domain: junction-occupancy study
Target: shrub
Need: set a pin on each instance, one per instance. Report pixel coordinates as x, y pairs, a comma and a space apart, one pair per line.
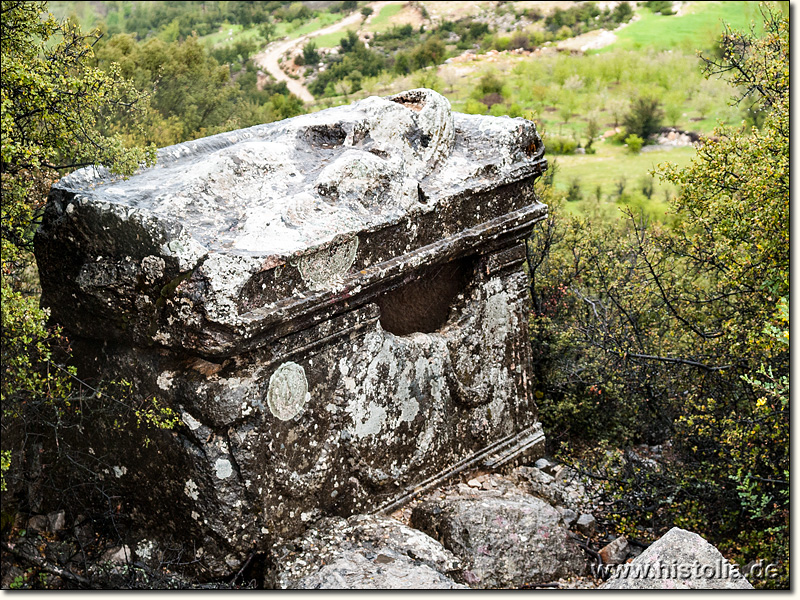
634, 143
520, 40
574, 193
310, 54
475, 107
490, 83
560, 145
644, 117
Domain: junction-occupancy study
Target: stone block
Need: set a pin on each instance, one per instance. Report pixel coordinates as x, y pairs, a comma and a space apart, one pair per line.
508, 541
334, 304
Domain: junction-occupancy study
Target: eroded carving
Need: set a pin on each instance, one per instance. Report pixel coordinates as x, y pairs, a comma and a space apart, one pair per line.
288, 391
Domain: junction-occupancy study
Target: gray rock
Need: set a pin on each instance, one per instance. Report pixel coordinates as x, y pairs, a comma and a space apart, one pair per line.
565, 491
334, 304
56, 521
680, 559
38, 523
543, 464
503, 541
559, 472
356, 572
118, 555
363, 552
586, 524
568, 516
616, 552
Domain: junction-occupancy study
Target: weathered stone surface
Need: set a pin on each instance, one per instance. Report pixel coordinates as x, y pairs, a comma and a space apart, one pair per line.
616, 552
503, 540
118, 555
203, 251
56, 521
363, 552
38, 523
567, 490
680, 559
586, 524
355, 572
568, 516
334, 304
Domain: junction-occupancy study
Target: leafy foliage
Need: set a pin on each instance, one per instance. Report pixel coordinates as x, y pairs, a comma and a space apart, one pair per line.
57, 114
192, 94
53, 104
644, 117
656, 334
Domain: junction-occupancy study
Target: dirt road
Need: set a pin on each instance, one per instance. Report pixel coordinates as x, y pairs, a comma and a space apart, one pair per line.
268, 59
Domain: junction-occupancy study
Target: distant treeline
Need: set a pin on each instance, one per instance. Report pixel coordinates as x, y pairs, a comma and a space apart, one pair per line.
191, 94
200, 17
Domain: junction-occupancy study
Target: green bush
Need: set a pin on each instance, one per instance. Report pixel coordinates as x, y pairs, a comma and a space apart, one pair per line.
560, 145
634, 143
644, 117
648, 334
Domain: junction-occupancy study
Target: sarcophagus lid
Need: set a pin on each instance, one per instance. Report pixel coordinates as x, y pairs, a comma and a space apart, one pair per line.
232, 241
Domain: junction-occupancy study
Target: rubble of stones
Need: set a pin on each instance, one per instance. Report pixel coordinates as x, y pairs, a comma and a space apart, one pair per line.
531, 527
525, 529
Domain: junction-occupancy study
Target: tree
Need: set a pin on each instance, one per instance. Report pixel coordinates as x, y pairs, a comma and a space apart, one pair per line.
310, 54
644, 117
54, 106
653, 333
192, 94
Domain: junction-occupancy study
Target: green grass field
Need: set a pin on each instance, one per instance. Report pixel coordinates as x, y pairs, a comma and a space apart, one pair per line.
383, 20
611, 165
331, 40
698, 29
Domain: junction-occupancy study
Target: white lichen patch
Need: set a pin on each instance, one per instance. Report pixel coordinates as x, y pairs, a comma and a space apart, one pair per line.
190, 421
191, 490
146, 549
226, 275
327, 267
224, 468
164, 380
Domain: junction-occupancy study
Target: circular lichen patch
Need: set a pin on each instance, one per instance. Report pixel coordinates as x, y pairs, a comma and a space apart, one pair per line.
288, 391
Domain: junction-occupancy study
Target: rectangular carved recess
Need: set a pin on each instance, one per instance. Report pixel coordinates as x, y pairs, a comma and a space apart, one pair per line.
423, 304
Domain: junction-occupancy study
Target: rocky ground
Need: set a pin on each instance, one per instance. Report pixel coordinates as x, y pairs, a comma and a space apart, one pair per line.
529, 528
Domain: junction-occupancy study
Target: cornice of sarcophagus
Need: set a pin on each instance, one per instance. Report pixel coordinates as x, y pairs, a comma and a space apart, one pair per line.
232, 241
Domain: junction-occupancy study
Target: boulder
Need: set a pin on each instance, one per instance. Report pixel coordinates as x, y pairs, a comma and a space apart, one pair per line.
118, 555
363, 552
568, 516
38, 523
352, 571
504, 541
56, 521
680, 559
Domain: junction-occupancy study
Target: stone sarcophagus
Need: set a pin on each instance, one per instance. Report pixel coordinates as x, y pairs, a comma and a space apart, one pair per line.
335, 304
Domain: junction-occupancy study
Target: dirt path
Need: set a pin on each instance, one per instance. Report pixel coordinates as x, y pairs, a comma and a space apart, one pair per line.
268, 59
